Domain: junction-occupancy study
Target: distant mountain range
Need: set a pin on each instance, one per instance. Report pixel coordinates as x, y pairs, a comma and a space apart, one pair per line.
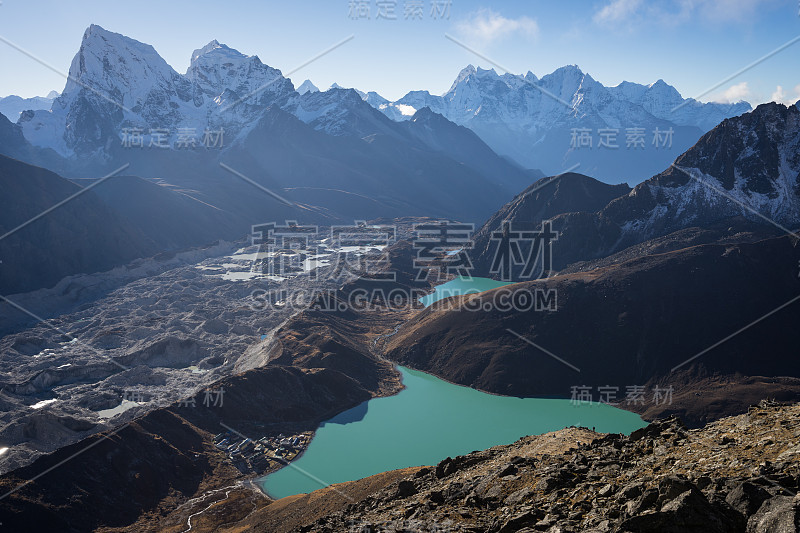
117, 83
534, 120
13, 106
307, 87
565, 119
330, 153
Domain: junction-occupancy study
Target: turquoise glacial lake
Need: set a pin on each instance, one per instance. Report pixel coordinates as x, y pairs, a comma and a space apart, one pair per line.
460, 285
427, 421
431, 419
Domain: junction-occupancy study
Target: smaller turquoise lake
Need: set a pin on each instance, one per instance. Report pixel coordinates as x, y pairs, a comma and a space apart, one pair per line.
461, 285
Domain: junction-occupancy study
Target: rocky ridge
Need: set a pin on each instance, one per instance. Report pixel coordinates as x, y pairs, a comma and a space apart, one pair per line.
738, 474
744, 170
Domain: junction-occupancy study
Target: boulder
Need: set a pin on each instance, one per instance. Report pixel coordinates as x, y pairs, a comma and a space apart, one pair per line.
747, 497
776, 515
405, 489
689, 512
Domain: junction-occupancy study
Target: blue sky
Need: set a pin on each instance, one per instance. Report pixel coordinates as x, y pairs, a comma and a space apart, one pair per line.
691, 44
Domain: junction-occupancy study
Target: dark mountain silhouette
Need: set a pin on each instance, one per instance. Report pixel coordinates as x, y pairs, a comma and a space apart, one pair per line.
626, 324
171, 218
82, 235
543, 200
746, 165
119, 219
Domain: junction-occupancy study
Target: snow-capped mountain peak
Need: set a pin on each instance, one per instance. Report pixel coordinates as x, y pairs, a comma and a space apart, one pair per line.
115, 64
465, 73
113, 81
746, 165
336, 86
217, 51
663, 91
628, 90
375, 100
486, 72
566, 81
307, 87
120, 83
220, 73
12, 106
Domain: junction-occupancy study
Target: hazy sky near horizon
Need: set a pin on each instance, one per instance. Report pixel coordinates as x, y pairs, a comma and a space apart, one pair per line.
691, 44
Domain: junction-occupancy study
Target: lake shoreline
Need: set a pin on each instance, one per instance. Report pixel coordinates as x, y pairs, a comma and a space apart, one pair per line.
451, 288
441, 419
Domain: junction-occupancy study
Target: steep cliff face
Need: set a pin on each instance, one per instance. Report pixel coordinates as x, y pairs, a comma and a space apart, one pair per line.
116, 82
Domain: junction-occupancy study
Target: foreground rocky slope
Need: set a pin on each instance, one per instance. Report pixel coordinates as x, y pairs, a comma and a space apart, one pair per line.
739, 474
